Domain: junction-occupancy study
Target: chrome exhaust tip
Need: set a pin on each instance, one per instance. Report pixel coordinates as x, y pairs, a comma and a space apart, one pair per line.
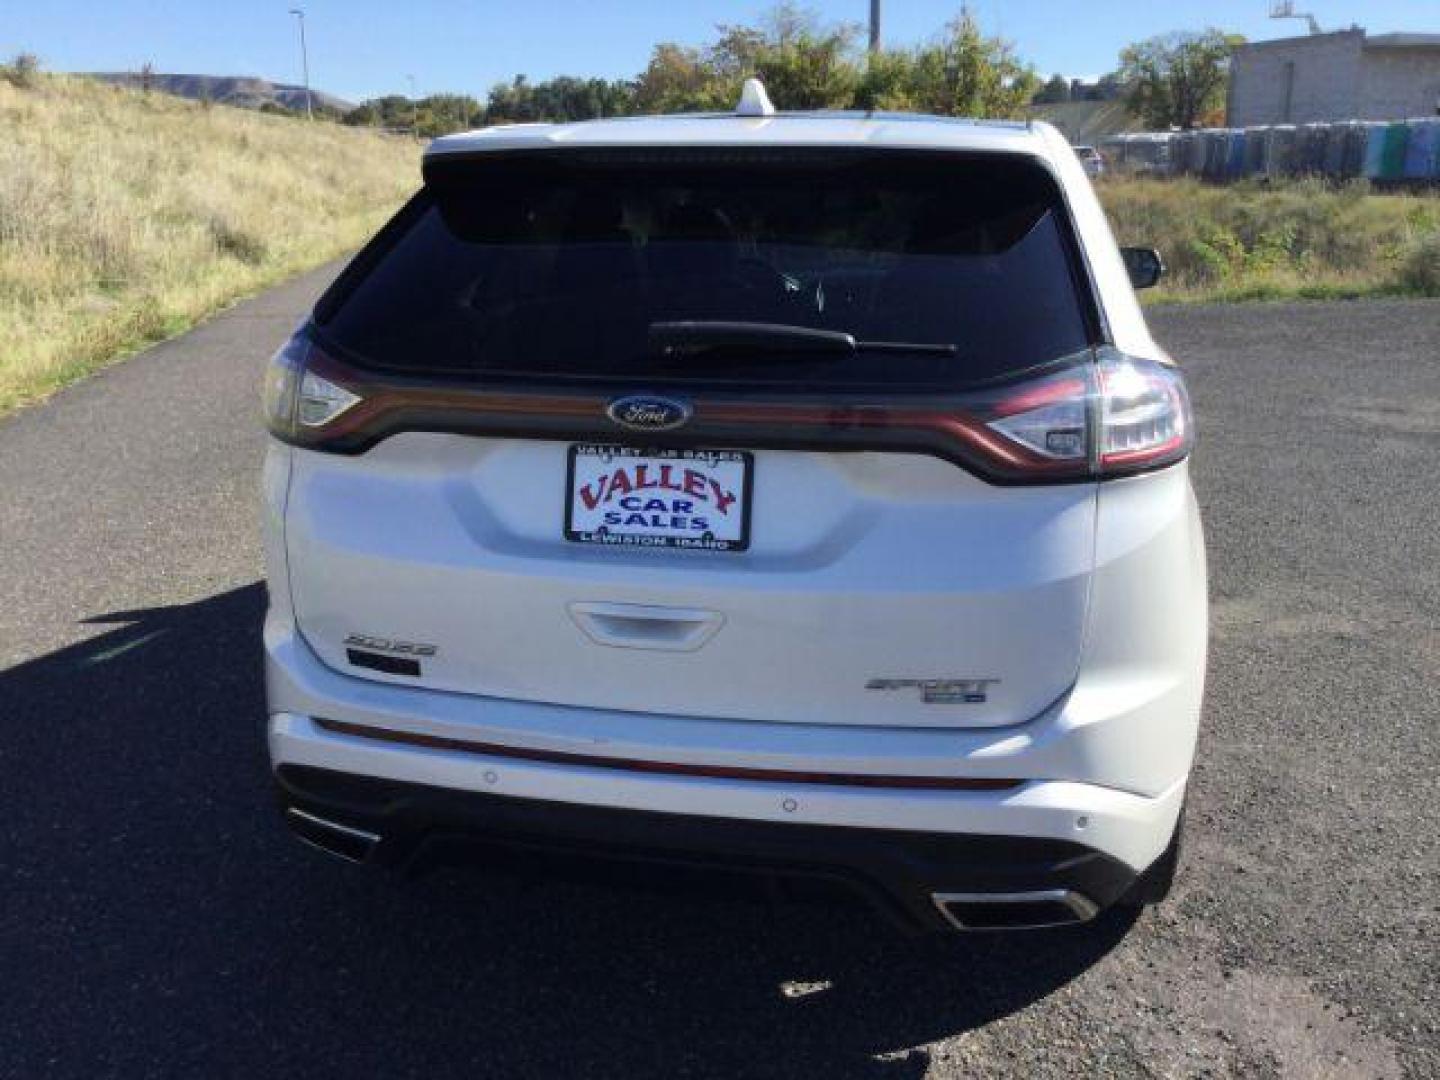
1015, 910
343, 841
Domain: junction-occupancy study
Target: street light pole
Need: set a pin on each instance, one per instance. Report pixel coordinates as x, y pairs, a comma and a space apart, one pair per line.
304, 63
874, 27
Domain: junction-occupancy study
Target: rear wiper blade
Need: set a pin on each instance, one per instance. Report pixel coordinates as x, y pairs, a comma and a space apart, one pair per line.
693, 336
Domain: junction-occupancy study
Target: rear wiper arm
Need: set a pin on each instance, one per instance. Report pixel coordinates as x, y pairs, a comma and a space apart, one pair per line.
693, 336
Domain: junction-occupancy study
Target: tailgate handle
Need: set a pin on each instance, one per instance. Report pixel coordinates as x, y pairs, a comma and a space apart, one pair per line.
640, 626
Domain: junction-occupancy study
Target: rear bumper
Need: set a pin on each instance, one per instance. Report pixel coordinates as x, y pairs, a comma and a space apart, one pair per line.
1080, 840
1087, 774
904, 873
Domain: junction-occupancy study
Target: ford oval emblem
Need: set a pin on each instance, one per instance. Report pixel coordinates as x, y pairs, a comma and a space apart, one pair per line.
641, 412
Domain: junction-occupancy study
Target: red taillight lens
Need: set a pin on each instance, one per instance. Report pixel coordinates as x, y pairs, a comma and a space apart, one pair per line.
1118, 416
1105, 414
297, 399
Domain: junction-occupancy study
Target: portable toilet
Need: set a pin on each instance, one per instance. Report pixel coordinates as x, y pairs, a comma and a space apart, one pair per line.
1212, 147
1392, 154
1220, 162
1420, 149
1374, 150
1165, 151
1254, 150
1197, 153
1352, 164
1200, 153
1112, 148
1180, 152
1312, 149
1235, 154
1149, 151
1280, 151
1335, 139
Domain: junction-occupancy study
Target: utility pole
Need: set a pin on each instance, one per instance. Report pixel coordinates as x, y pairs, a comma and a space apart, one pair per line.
414, 108
304, 63
874, 27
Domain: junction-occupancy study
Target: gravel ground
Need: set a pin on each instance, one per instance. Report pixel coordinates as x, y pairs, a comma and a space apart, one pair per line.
157, 921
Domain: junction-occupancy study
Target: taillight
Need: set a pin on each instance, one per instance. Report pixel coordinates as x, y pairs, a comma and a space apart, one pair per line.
1117, 416
1050, 418
1104, 415
1144, 415
297, 399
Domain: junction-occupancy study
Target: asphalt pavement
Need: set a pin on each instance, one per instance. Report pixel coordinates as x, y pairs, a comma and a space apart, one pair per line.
156, 920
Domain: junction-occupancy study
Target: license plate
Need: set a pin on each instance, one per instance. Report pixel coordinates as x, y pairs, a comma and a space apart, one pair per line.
623, 495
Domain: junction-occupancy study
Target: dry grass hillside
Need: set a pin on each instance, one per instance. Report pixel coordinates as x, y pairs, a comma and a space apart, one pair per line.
124, 218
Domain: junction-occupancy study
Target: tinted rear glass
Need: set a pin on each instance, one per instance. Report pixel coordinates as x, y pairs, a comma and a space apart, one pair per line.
557, 265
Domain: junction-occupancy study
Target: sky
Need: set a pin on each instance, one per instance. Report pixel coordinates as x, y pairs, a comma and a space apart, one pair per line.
364, 48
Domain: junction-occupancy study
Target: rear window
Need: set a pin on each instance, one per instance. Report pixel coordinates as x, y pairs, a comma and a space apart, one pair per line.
559, 265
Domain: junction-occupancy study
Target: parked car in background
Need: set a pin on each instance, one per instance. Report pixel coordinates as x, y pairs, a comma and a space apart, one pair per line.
1092, 159
796, 491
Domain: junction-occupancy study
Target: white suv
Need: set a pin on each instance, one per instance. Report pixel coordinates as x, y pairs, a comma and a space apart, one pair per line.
801, 492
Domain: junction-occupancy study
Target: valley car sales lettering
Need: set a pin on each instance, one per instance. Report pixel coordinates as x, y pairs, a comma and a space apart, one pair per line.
622, 488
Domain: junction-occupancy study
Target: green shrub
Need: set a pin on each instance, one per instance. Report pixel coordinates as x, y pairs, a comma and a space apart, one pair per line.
1260, 240
1419, 269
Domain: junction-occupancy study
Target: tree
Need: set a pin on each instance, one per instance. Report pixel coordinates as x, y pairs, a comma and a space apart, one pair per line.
811, 68
804, 65
966, 73
1110, 87
1177, 78
679, 79
887, 83
1054, 91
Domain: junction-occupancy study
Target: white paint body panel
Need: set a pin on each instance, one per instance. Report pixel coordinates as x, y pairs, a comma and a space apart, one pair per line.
1087, 602
861, 566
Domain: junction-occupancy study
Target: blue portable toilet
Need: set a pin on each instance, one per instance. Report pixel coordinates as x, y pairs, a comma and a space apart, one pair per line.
1392, 154
1374, 151
1420, 150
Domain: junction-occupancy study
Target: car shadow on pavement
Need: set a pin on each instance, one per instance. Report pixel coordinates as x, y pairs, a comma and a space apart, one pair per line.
157, 919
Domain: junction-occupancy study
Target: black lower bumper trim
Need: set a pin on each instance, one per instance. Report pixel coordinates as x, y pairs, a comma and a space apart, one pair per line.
897, 870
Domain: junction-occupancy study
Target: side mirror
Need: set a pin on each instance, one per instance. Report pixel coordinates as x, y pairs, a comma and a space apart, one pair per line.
1144, 266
